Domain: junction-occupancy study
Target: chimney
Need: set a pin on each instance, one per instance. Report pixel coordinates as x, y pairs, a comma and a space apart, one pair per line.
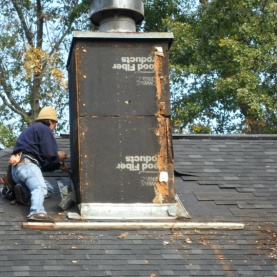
120, 129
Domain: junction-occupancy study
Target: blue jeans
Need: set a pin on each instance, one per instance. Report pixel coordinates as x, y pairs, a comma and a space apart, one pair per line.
29, 174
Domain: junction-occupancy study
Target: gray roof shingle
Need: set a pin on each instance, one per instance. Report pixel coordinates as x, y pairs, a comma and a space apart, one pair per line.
218, 178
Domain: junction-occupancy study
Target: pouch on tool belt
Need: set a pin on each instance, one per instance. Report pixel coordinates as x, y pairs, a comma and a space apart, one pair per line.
15, 158
7, 185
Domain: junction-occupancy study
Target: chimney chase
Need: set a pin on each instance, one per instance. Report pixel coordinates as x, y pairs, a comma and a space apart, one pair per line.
120, 131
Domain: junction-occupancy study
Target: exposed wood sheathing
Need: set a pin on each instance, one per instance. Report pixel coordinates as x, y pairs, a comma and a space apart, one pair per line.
164, 190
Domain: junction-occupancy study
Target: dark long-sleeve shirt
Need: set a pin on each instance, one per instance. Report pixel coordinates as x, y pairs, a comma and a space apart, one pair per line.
38, 140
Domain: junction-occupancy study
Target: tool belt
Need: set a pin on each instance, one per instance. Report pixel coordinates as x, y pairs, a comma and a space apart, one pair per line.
29, 158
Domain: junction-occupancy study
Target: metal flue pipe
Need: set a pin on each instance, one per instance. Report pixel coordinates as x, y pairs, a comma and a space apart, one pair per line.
117, 15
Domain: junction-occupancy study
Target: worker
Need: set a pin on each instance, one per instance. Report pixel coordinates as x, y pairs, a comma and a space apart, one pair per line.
36, 151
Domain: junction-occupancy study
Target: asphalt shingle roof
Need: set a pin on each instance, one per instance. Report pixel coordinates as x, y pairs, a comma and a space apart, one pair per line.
218, 179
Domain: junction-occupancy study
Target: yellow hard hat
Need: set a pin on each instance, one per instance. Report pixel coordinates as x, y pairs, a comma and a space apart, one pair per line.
48, 113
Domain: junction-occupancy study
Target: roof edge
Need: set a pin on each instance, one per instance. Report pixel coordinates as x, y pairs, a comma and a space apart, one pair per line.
218, 137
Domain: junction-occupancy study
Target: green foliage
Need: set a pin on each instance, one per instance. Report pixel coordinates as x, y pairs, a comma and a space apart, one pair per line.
35, 36
157, 12
223, 61
7, 136
224, 65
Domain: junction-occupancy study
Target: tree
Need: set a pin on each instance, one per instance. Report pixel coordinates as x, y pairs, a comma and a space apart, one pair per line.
33, 41
224, 67
223, 61
158, 13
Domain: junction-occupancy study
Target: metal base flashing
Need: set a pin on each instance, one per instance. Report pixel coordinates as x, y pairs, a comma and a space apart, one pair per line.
122, 211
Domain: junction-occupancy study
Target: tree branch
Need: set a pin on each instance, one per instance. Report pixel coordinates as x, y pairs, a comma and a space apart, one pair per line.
57, 44
12, 104
27, 32
39, 24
